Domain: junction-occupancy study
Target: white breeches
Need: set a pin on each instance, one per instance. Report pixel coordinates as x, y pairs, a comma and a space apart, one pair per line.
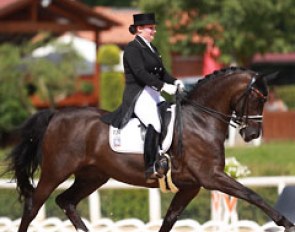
146, 107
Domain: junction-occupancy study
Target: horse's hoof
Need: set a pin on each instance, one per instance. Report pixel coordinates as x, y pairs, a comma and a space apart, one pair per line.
291, 229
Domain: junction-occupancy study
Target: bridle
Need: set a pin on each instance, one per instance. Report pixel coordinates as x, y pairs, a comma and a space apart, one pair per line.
243, 118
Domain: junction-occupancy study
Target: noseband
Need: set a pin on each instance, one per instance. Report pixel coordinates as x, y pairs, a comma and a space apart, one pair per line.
242, 119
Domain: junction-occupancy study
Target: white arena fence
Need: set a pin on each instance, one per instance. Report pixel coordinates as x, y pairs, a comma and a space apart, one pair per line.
96, 223
135, 225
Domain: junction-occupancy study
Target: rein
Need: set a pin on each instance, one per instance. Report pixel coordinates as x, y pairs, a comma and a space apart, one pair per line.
226, 118
214, 113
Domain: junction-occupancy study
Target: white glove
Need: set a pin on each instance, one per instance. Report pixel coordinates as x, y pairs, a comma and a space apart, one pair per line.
179, 85
170, 89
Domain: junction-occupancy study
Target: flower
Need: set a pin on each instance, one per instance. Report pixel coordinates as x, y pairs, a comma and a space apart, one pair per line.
235, 169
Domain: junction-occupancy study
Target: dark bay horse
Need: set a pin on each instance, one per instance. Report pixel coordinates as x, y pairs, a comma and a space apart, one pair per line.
75, 142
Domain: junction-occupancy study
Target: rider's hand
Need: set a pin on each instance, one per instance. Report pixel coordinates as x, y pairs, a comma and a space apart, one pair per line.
179, 85
170, 89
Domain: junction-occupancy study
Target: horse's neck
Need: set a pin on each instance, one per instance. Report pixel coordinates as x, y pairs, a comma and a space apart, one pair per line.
216, 98
219, 93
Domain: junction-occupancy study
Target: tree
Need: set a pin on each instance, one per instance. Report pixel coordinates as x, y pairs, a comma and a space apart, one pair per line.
240, 28
20, 75
14, 103
55, 75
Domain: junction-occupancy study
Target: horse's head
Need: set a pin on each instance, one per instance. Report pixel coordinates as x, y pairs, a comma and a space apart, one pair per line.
234, 94
248, 107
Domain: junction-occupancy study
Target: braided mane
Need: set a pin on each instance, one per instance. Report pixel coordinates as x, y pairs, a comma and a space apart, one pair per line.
218, 73
222, 72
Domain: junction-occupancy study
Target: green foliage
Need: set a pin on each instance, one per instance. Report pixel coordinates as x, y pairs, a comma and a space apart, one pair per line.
287, 94
108, 55
87, 88
18, 69
10, 206
240, 28
111, 82
243, 36
14, 103
12, 114
55, 78
115, 201
112, 87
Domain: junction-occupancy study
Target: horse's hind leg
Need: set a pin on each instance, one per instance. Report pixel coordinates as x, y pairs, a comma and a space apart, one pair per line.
178, 204
84, 185
34, 202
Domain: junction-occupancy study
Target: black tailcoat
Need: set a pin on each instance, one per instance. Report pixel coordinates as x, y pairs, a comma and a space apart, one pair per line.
142, 67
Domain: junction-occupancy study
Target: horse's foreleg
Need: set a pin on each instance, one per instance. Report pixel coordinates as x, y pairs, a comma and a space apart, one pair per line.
68, 200
222, 182
178, 204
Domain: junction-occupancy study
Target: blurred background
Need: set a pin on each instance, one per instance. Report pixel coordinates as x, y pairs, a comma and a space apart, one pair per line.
63, 53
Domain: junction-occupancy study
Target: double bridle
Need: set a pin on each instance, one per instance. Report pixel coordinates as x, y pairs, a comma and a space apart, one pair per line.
242, 119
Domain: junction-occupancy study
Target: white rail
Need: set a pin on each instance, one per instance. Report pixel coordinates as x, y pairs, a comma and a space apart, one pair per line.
135, 225
154, 194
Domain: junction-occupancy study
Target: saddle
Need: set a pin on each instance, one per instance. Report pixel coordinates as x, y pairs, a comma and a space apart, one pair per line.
130, 139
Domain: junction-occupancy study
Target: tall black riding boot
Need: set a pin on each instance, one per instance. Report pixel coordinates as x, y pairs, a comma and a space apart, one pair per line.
151, 149
155, 166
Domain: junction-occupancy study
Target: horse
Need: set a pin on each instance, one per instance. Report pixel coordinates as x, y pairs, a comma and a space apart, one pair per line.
74, 142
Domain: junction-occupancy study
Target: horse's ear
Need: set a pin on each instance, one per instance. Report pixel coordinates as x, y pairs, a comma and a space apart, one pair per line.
269, 76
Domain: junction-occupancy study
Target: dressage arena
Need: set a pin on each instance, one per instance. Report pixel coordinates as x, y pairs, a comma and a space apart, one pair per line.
97, 224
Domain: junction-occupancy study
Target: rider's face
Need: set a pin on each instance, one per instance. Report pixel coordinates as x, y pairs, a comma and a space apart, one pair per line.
147, 31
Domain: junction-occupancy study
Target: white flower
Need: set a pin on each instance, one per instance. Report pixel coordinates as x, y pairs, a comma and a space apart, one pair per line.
235, 169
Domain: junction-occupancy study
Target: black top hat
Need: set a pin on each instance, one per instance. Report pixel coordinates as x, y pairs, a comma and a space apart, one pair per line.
144, 19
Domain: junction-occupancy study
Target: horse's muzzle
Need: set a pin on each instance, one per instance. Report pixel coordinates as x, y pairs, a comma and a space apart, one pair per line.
249, 133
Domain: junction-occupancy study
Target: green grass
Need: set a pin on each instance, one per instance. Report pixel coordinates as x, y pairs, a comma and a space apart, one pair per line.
272, 159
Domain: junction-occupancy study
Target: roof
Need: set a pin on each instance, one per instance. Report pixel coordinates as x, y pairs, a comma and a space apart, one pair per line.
5, 3
28, 17
118, 34
274, 58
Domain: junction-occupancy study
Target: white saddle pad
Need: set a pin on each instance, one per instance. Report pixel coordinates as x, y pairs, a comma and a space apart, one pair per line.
130, 139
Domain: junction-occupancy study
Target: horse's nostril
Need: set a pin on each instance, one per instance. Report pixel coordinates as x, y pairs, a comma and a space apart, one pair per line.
249, 133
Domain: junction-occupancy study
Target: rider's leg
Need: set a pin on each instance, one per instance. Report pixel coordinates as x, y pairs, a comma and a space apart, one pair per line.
146, 110
151, 151
156, 165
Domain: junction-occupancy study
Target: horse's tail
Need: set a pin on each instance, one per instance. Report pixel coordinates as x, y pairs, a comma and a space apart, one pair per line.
25, 157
